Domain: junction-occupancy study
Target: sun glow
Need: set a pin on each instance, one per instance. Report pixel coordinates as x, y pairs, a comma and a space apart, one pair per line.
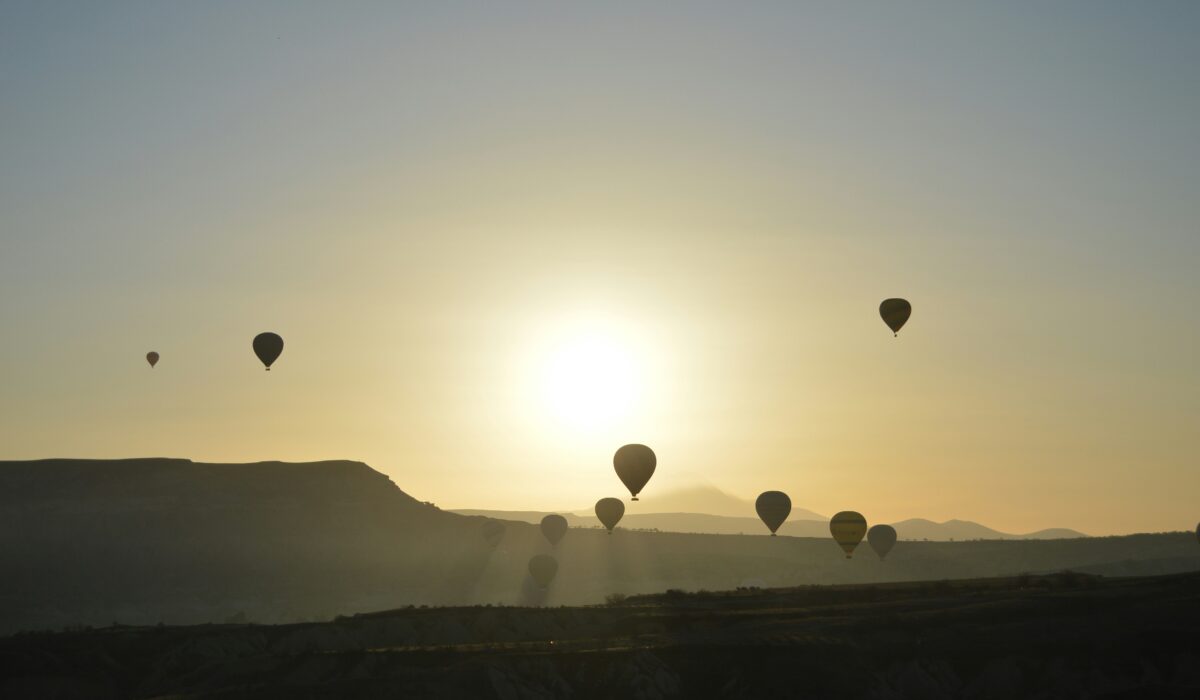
586, 376
589, 381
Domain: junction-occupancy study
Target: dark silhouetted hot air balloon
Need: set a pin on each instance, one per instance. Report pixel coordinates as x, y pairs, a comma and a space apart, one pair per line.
881, 538
895, 313
268, 347
848, 529
609, 511
554, 527
542, 568
635, 465
773, 508
493, 533
152, 358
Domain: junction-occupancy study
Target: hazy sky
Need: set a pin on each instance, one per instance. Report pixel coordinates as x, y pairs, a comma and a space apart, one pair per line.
503, 239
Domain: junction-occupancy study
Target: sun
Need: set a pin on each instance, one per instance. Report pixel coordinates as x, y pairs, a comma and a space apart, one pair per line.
589, 380
585, 378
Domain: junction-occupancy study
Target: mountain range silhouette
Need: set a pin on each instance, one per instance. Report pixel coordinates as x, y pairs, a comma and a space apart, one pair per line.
705, 508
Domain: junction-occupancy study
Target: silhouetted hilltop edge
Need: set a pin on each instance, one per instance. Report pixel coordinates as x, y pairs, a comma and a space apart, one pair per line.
142, 480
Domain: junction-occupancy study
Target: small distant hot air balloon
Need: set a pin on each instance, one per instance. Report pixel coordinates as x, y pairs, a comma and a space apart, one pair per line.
635, 465
268, 347
609, 512
881, 538
152, 358
773, 508
895, 313
542, 568
493, 532
848, 529
554, 527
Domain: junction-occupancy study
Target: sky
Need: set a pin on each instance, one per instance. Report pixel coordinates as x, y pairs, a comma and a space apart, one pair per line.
500, 240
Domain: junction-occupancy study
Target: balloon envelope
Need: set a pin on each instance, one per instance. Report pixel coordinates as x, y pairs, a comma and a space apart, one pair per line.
609, 512
881, 538
152, 358
895, 313
268, 347
773, 508
635, 465
542, 568
493, 532
554, 527
848, 529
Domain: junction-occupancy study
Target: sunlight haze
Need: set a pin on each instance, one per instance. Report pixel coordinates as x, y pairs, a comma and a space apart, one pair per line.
502, 241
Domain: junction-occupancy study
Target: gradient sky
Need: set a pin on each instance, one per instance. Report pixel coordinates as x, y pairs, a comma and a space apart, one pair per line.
448, 210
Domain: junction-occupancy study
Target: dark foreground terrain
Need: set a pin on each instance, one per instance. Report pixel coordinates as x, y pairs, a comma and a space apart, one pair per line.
1057, 636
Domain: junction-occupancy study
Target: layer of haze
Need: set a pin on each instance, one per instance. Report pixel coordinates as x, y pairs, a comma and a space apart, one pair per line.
447, 211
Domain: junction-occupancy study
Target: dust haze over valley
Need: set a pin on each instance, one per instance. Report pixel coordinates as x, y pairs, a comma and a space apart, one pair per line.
180, 542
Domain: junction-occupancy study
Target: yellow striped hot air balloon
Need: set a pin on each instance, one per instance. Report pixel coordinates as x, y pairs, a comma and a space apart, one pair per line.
848, 529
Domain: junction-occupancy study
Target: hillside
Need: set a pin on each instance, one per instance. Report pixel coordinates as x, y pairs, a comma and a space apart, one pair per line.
1066, 635
150, 539
180, 542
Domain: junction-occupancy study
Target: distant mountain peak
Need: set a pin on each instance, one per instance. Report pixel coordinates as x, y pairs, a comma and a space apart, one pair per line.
708, 499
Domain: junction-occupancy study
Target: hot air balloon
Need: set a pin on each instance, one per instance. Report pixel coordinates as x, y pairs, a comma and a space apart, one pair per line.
773, 508
152, 358
609, 512
895, 313
881, 538
848, 529
493, 532
268, 347
554, 527
635, 465
542, 568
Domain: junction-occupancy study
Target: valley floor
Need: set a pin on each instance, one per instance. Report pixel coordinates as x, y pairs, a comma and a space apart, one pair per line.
1059, 636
